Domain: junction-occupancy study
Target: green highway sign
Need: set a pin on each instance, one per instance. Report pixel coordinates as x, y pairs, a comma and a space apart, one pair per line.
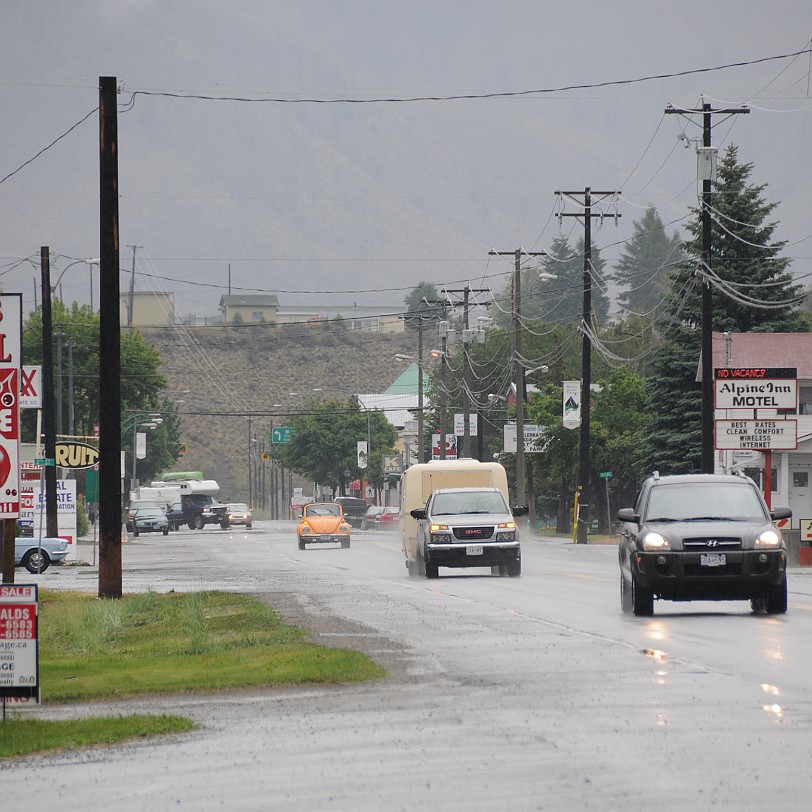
282, 434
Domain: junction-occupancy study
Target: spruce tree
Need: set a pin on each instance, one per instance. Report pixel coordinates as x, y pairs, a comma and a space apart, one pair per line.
745, 257
643, 269
561, 300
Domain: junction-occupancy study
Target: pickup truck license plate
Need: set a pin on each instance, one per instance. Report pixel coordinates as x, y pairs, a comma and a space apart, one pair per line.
712, 560
474, 550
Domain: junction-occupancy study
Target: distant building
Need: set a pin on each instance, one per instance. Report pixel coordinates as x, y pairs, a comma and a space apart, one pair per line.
252, 309
146, 309
370, 318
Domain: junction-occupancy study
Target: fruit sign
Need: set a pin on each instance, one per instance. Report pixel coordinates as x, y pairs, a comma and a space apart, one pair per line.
10, 356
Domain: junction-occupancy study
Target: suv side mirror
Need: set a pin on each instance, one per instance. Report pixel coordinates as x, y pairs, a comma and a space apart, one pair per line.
418, 513
628, 515
781, 513
519, 510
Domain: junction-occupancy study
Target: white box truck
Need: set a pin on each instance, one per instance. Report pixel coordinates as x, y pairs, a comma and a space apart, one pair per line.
419, 481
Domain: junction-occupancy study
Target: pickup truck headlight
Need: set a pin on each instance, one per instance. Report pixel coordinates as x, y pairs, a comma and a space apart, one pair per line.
769, 539
655, 541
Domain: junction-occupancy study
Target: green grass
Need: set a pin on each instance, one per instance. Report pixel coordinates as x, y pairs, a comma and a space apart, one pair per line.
93, 649
20, 737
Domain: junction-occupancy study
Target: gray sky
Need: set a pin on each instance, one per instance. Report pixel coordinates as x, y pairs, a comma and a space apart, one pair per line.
360, 201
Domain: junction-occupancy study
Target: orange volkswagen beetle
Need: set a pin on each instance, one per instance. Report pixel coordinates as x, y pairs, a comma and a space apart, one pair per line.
323, 522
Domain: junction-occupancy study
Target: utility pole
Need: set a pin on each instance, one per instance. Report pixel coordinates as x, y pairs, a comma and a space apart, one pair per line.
706, 353
132, 288
466, 362
109, 347
421, 440
584, 461
48, 400
518, 364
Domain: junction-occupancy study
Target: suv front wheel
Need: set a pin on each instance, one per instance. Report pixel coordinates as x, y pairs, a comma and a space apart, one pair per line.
642, 599
777, 598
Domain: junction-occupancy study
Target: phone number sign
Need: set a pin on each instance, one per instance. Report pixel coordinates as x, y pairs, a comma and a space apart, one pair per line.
19, 659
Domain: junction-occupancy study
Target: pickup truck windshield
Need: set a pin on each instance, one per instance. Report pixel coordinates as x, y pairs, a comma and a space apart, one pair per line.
446, 504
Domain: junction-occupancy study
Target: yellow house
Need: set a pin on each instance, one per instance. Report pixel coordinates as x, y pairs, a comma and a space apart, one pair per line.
252, 309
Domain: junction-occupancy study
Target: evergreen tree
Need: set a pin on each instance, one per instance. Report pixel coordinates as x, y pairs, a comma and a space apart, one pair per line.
746, 259
560, 300
645, 265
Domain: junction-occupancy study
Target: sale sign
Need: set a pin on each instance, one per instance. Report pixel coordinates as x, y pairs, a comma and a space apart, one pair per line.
19, 656
11, 312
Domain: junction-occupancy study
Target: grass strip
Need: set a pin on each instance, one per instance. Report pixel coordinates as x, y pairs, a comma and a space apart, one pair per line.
152, 643
20, 737
95, 649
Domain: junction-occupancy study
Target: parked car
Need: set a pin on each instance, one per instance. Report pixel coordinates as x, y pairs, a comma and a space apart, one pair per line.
137, 504
368, 522
150, 520
36, 555
387, 518
176, 516
354, 509
239, 513
468, 527
702, 537
323, 522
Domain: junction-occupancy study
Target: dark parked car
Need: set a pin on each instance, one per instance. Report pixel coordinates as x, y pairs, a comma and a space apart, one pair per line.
137, 504
150, 520
354, 509
175, 516
701, 537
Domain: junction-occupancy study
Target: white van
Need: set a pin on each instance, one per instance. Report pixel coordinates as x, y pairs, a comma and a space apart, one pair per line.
418, 482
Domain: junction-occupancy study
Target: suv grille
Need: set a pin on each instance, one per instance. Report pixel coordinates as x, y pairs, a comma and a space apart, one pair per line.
473, 533
713, 543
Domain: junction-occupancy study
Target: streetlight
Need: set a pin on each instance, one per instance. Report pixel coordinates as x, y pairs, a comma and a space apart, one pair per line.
90, 263
149, 420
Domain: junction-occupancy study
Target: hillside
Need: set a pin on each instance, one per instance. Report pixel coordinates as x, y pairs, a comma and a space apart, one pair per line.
223, 375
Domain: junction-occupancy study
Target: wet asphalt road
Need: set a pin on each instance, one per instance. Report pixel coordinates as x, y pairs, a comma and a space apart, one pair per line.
529, 693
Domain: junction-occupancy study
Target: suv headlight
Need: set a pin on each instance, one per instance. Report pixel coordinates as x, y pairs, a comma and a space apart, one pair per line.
769, 539
655, 541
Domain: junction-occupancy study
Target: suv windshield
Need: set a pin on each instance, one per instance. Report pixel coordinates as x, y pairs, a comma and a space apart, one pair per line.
692, 501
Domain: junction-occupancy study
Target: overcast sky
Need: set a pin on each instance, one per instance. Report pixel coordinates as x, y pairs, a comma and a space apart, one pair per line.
360, 200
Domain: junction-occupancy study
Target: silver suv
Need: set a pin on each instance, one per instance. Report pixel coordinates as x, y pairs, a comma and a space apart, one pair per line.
468, 527
701, 537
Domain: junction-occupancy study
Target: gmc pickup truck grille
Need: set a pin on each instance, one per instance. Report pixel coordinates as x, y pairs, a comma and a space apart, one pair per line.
473, 533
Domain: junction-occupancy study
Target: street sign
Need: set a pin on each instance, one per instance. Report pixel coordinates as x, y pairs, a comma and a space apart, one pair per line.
47, 461
606, 474
282, 434
758, 435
